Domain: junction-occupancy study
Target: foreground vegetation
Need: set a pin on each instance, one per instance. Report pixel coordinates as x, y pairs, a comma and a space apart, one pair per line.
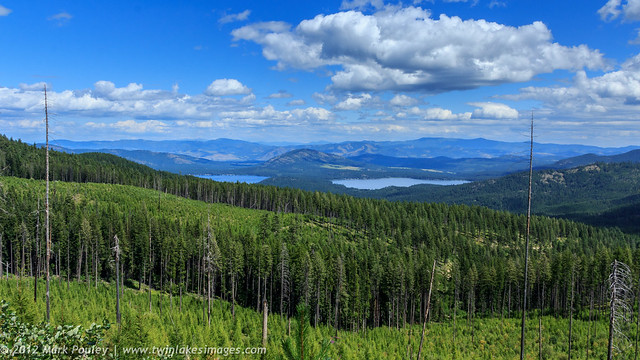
170, 324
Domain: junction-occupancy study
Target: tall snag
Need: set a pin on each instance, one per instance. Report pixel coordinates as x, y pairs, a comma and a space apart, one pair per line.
48, 233
621, 294
116, 249
526, 256
426, 313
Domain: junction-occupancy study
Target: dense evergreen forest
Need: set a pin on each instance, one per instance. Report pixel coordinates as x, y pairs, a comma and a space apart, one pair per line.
357, 263
599, 194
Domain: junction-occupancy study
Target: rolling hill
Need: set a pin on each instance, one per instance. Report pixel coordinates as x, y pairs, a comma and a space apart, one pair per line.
630, 156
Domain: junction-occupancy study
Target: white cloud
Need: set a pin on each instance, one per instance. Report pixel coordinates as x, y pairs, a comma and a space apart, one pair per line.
96, 125
297, 102
108, 100
61, 18
133, 91
248, 99
610, 10
436, 113
404, 49
313, 114
235, 17
30, 124
39, 86
613, 95
148, 126
269, 116
322, 98
196, 124
225, 87
403, 100
4, 11
282, 94
353, 102
630, 10
491, 110
131, 126
361, 4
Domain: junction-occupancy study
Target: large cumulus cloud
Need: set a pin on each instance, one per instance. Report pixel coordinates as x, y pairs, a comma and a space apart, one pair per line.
405, 49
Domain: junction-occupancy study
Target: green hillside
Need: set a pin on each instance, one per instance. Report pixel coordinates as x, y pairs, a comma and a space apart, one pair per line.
367, 273
361, 265
597, 194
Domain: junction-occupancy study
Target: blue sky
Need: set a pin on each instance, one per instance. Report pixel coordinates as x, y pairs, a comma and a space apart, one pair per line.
291, 71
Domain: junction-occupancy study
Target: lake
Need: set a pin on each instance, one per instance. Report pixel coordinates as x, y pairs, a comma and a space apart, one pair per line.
249, 179
375, 184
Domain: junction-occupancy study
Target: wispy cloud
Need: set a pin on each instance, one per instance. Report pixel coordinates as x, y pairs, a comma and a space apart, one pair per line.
361, 4
630, 10
61, 18
4, 11
235, 17
281, 94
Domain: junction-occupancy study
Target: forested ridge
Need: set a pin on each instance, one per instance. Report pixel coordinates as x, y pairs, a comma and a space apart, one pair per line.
358, 263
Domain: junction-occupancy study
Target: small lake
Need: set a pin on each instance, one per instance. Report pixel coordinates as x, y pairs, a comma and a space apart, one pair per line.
249, 179
375, 184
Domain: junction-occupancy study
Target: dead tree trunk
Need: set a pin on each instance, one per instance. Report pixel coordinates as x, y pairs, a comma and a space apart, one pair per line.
426, 313
150, 267
526, 256
35, 277
264, 322
117, 251
48, 233
571, 316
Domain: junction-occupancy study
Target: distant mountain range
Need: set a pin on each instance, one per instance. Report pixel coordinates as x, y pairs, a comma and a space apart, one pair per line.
237, 150
176, 163
422, 158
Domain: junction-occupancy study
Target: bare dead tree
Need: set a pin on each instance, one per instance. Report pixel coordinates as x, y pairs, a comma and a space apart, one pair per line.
571, 313
621, 295
426, 313
150, 265
37, 272
265, 311
116, 249
284, 276
47, 225
526, 256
